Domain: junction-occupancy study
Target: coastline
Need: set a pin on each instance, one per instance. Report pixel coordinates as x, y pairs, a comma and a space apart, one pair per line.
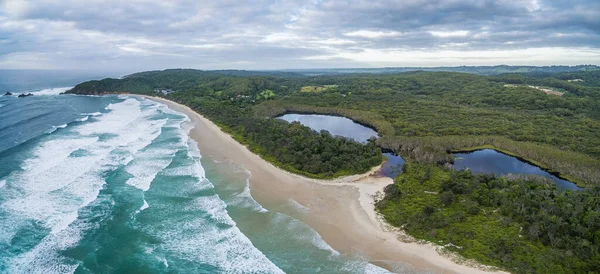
341, 210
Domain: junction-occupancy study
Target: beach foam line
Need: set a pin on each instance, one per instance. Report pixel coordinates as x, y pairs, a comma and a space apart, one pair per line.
50, 91
212, 238
203, 240
301, 231
297, 206
244, 198
92, 114
361, 264
55, 128
194, 153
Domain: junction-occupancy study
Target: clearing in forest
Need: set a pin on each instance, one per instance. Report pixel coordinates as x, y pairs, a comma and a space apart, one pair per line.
547, 90
317, 88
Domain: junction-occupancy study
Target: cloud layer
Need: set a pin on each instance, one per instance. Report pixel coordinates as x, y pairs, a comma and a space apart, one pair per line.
142, 34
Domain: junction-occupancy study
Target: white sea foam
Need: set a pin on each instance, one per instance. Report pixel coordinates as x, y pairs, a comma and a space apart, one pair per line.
245, 199
83, 119
297, 206
194, 153
145, 205
50, 91
163, 260
92, 114
299, 230
142, 208
200, 240
151, 160
54, 128
54, 152
361, 264
46, 256
147, 165
54, 188
121, 115
2, 183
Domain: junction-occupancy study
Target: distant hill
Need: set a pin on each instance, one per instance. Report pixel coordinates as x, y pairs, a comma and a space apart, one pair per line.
483, 70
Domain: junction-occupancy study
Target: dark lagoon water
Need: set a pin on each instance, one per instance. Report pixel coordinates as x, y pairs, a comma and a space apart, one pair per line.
392, 166
337, 126
481, 161
491, 161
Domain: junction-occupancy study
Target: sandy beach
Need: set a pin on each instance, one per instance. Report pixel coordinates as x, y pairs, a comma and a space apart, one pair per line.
340, 210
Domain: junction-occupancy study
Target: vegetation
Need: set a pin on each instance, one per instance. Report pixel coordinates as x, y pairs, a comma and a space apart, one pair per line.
421, 115
425, 115
523, 224
317, 88
289, 145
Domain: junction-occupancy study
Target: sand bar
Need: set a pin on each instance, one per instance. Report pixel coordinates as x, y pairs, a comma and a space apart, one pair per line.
340, 210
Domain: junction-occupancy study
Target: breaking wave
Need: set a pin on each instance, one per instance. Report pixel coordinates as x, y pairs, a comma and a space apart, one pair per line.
50, 202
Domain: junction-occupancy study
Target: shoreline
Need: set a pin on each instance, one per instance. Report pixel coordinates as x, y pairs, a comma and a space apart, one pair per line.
341, 210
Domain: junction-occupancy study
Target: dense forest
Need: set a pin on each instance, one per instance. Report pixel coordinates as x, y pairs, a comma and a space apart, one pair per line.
421, 115
289, 145
424, 115
483, 70
522, 224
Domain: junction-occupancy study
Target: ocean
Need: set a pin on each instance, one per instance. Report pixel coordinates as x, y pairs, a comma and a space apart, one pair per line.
113, 184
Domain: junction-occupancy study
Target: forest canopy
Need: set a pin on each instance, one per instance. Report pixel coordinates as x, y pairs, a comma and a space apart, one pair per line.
421, 115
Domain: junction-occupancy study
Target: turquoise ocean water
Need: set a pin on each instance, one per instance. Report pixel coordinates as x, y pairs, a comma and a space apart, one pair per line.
113, 184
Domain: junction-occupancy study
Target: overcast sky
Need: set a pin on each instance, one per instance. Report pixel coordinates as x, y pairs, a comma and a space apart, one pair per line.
130, 35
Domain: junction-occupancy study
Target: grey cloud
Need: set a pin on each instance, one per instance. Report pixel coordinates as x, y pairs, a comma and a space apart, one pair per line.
279, 34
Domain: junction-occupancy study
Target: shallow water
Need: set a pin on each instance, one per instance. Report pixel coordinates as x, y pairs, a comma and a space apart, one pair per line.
337, 126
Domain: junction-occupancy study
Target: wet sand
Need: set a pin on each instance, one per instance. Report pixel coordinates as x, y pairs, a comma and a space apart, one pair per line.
341, 210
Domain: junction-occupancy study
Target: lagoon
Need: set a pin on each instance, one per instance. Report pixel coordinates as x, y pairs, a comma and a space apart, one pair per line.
480, 161
337, 126
491, 161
